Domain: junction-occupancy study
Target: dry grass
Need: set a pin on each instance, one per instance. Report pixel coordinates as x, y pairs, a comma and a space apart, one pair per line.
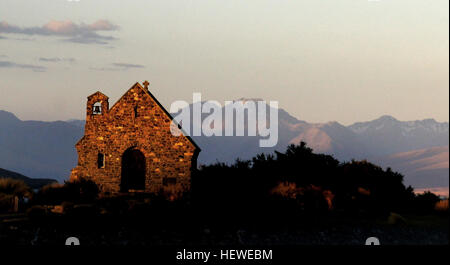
290, 190
441, 206
287, 190
14, 187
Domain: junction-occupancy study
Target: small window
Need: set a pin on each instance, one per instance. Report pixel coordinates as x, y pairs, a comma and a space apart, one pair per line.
101, 160
97, 108
135, 111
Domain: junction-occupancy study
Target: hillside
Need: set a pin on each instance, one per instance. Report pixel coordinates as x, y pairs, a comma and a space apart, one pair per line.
47, 149
38, 149
424, 168
31, 182
387, 135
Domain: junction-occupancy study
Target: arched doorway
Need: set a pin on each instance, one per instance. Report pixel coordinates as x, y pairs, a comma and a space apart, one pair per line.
133, 170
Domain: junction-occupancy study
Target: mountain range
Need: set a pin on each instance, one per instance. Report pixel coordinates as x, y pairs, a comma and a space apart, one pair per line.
418, 149
38, 149
33, 183
430, 164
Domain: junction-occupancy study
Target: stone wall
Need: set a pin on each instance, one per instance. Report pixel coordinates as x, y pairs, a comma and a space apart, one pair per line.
136, 121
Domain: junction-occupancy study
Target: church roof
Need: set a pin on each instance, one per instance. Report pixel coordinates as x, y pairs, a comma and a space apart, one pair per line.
98, 93
159, 104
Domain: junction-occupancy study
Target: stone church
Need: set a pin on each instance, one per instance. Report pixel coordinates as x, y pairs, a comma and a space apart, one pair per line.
130, 148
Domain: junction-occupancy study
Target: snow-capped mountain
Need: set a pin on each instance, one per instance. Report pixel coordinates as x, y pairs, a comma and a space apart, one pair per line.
407, 128
46, 149
423, 168
387, 135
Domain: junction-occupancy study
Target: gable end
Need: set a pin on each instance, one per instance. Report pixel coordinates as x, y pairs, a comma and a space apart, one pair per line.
146, 91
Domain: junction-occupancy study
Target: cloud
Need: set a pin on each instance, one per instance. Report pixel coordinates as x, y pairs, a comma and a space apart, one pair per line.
118, 67
105, 69
35, 68
128, 65
91, 39
102, 25
70, 31
57, 59
24, 39
2, 38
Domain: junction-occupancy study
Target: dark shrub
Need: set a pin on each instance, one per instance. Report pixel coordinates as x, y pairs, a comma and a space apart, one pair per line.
51, 194
313, 183
426, 202
82, 211
37, 214
6, 202
11, 190
80, 191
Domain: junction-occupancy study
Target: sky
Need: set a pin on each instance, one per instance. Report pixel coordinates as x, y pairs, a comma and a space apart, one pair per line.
322, 60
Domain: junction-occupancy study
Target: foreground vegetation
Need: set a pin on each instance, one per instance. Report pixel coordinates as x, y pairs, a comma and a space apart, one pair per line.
295, 197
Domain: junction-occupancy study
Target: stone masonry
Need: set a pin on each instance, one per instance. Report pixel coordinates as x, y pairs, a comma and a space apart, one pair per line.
137, 122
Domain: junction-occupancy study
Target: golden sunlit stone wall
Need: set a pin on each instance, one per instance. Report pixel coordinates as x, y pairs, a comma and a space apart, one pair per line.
117, 129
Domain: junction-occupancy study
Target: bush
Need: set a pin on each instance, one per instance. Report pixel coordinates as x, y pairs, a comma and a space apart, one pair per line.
6, 202
396, 219
311, 198
426, 202
313, 182
9, 190
442, 206
50, 194
172, 192
80, 191
82, 211
37, 213
287, 190
14, 187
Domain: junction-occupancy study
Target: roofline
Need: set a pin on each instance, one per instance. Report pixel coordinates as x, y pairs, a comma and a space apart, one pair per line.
98, 93
164, 109
170, 116
137, 83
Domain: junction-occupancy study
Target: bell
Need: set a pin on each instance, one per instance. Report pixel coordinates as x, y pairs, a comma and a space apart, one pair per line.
97, 110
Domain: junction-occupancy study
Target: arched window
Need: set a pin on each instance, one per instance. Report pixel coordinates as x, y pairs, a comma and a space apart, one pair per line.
135, 111
97, 108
